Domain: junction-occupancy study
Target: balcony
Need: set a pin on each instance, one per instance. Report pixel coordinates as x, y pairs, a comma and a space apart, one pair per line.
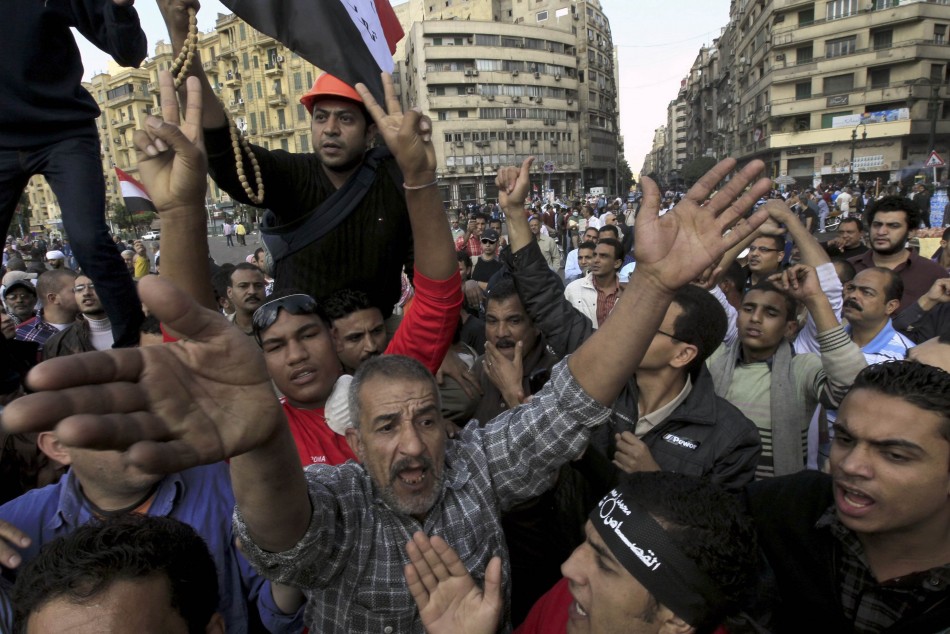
277, 99
236, 106
227, 50
121, 124
209, 66
153, 87
278, 130
232, 79
273, 70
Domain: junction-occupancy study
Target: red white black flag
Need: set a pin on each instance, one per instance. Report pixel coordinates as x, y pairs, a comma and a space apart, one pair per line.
353, 40
133, 193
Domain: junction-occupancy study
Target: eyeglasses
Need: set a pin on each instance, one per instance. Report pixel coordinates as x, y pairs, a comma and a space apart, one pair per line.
765, 250
660, 332
265, 316
79, 288
487, 241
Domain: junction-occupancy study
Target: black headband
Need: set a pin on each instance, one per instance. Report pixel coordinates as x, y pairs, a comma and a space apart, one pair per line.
644, 549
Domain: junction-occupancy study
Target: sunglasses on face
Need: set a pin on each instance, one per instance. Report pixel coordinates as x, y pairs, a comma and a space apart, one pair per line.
265, 316
486, 241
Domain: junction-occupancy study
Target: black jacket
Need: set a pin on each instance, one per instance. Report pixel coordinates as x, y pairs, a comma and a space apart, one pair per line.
802, 558
705, 436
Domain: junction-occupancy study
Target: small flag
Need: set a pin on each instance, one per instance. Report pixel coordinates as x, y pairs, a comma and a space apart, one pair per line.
133, 193
350, 39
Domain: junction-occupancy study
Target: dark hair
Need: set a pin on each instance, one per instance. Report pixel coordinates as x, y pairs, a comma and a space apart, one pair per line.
344, 302
946, 234
921, 385
242, 266
855, 220
778, 241
82, 565
587, 245
893, 284
502, 288
51, 281
895, 203
463, 257
610, 229
389, 366
708, 526
258, 251
791, 304
702, 323
287, 292
735, 274
613, 242
219, 283
844, 269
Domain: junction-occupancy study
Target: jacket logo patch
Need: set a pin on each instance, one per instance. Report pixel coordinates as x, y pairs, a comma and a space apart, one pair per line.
686, 443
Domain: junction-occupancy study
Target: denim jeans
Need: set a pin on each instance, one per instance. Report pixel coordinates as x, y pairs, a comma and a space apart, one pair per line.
73, 169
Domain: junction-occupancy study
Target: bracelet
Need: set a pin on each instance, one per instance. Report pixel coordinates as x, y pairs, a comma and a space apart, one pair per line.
415, 187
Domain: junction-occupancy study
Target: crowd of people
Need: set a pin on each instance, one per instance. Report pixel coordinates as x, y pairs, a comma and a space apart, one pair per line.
688, 414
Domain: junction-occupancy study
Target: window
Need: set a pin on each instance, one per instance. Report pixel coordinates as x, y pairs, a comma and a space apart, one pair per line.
884, 4
840, 9
803, 90
285, 145
838, 84
936, 73
827, 158
246, 60
304, 143
827, 118
443, 115
881, 39
803, 54
463, 114
806, 16
542, 16
841, 46
242, 31
298, 81
879, 77
940, 33
301, 112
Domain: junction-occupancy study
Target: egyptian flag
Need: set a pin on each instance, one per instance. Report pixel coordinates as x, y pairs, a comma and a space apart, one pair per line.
353, 40
136, 198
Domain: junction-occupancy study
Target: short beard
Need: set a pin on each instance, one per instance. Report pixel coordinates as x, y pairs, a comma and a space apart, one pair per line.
416, 505
895, 249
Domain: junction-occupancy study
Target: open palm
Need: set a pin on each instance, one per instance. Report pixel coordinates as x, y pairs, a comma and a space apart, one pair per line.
691, 234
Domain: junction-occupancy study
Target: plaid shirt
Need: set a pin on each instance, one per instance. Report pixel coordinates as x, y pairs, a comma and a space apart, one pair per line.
606, 298
874, 606
36, 329
474, 245
350, 562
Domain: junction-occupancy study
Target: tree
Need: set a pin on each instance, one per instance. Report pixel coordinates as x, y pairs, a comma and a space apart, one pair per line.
694, 170
625, 176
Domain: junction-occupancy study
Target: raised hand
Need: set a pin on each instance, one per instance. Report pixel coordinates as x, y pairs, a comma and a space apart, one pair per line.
170, 153
674, 249
448, 598
799, 281
513, 185
200, 400
408, 135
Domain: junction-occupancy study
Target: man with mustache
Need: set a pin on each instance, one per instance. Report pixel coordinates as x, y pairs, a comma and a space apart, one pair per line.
891, 220
246, 292
870, 300
92, 331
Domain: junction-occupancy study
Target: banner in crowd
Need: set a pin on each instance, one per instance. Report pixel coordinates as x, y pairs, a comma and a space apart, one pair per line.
353, 40
133, 192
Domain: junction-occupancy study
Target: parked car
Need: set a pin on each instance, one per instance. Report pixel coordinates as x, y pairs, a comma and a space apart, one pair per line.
151, 235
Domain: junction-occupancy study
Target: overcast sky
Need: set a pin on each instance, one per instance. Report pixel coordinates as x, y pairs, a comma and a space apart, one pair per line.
657, 39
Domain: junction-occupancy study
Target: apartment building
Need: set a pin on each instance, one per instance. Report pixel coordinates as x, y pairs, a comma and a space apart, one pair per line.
821, 90
503, 81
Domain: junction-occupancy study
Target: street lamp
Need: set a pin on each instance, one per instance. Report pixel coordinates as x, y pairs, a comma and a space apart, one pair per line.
854, 140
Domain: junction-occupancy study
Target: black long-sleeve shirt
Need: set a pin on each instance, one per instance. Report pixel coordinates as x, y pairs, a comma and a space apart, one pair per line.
41, 96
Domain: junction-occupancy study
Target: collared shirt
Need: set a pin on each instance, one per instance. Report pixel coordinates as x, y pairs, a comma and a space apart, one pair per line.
917, 273
606, 298
887, 345
474, 245
350, 561
871, 605
648, 421
200, 497
38, 330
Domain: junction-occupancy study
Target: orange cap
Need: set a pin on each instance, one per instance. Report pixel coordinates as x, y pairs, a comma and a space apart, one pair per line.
328, 86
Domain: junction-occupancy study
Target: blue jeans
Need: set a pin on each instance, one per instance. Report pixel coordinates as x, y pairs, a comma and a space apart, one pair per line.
73, 169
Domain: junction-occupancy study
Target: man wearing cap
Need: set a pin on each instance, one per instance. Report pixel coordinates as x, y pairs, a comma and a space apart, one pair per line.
19, 295
342, 181
486, 264
664, 552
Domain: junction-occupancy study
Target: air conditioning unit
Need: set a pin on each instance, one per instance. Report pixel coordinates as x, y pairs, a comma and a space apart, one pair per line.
469, 168
450, 170
240, 102
767, 107
509, 121
516, 99
539, 100
474, 72
780, 57
490, 97
514, 73
570, 101
459, 144
577, 17
557, 77
468, 72
534, 144
470, 90
537, 75
280, 59
233, 103
470, 39
554, 143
